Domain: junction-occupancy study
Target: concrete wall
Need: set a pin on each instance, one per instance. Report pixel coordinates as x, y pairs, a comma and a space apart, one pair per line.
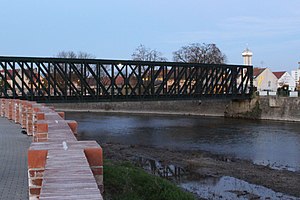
283, 108
183, 107
269, 107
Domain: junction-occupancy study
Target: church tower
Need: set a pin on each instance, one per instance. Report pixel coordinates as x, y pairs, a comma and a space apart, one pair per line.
247, 56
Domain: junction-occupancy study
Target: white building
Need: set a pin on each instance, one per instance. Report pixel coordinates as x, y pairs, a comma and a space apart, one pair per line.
285, 79
264, 79
296, 75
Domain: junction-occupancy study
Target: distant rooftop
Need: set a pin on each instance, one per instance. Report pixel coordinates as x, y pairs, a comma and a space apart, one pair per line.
257, 71
279, 74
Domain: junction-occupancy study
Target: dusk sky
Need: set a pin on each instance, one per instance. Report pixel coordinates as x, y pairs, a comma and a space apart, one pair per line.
114, 29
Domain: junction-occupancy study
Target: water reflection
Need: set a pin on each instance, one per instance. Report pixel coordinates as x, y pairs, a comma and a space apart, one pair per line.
276, 144
160, 168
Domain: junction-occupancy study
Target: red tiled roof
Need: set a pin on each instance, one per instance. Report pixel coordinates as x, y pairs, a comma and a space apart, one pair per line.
10, 72
257, 71
279, 74
119, 80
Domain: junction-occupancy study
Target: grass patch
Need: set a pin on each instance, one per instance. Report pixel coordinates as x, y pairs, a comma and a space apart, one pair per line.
127, 182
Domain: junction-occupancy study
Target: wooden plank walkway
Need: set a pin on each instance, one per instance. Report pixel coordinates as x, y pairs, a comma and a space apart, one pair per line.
59, 166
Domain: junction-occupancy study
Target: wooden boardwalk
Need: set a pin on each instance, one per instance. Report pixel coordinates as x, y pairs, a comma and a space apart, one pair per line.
59, 166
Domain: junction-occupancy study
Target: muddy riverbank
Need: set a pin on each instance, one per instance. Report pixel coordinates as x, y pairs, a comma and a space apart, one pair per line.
201, 164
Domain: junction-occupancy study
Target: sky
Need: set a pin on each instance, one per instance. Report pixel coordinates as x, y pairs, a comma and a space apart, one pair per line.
113, 29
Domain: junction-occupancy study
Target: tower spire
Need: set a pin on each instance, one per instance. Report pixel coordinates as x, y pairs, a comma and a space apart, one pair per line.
247, 56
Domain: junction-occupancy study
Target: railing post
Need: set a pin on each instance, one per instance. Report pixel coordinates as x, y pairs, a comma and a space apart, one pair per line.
36, 168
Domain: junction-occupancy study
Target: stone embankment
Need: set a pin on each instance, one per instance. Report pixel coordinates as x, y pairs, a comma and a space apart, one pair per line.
59, 166
269, 107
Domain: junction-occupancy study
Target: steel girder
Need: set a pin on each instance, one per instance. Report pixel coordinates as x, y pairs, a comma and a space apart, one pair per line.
79, 80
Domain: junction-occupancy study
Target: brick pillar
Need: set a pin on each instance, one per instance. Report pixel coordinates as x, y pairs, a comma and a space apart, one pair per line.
23, 117
30, 117
8, 109
13, 113
40, 116
15, 116
17, 119
40, 132
2, 107
36, 168
95, 159
73, 126
61, 114
20, 112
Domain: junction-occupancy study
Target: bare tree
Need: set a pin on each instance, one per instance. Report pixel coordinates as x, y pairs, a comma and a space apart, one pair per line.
72, 73
142, 53
72, 54
79, 55
200, 53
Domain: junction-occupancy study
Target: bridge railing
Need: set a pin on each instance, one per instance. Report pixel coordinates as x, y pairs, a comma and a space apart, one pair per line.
56, 79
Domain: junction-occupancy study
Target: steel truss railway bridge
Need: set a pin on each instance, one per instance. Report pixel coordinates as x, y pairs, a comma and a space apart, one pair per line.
82, 80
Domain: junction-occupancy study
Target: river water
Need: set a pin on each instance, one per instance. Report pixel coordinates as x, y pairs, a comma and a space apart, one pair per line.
276, 144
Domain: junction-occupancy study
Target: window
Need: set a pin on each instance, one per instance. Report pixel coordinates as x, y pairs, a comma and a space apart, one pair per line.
269, 83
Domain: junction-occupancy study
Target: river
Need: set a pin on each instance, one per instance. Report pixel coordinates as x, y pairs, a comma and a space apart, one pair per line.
272, 143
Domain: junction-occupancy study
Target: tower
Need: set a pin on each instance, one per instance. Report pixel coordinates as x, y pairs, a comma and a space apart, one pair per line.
247, 56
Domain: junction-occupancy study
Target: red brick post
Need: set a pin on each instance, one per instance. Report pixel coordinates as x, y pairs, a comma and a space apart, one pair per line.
40, 116
32, 107
9, 108
61, 114
95, 159
2, 107
36, 168
29, 119
23, 115
73, 126
17, 111
40, 132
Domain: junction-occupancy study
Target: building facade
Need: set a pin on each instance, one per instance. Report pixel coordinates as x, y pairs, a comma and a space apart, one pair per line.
285, 79
264, 80
296, 76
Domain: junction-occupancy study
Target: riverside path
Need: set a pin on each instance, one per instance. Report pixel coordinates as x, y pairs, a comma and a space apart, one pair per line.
13, 161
